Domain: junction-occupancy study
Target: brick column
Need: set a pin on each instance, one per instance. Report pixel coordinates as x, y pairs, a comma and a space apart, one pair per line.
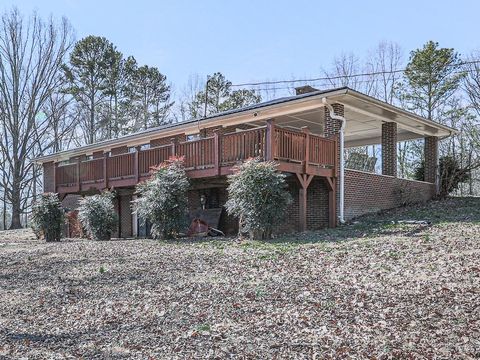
389, 149
431, 159
332, 129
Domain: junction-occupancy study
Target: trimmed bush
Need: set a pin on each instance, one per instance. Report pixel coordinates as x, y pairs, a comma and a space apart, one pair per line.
47, 217
97, 215
257, 195
163, 199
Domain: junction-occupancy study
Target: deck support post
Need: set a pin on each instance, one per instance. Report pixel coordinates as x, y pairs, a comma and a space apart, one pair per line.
305, 181
270, 140
332, 201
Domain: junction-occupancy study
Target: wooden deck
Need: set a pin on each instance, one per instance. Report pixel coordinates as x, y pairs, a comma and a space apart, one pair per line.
295, 151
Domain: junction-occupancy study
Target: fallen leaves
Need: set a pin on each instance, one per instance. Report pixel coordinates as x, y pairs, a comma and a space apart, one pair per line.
388, 295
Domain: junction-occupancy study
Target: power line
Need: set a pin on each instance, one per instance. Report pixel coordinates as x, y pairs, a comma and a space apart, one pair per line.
338, 77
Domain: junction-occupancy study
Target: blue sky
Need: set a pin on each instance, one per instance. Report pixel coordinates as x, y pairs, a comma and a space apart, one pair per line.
259, 40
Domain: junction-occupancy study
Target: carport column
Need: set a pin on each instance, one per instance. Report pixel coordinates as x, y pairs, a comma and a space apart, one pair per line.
389, 149
332, 129
431, 159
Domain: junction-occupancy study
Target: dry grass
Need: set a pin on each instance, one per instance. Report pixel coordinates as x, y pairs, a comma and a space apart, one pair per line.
376, 289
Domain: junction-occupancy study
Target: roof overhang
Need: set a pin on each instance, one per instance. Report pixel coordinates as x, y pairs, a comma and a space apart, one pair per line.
363, 111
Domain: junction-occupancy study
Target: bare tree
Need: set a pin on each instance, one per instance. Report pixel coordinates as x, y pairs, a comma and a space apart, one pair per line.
31, 55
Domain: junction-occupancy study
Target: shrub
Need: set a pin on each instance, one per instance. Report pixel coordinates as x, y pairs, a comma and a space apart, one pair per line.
451, 175
47, 217
97, 215
163, 199
257, 195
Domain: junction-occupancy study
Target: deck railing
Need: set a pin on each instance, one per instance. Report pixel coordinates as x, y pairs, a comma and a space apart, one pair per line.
242, 145
207, 156
151, 157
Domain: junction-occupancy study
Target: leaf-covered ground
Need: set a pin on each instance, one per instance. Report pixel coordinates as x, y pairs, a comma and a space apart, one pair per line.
376, 289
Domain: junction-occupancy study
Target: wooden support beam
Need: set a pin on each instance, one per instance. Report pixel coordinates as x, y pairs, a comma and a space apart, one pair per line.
305, 181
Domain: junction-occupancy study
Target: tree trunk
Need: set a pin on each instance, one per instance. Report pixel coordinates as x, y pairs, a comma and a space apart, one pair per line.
16, 208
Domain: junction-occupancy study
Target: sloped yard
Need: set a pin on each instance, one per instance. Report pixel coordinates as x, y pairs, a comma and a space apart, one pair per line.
376, 289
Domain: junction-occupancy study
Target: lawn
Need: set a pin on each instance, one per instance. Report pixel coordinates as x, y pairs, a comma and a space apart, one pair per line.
379, 288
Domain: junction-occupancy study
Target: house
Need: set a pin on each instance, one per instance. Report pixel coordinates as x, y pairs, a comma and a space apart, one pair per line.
305, 134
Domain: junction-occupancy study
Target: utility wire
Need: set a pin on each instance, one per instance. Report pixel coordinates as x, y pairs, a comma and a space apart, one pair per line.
338, 77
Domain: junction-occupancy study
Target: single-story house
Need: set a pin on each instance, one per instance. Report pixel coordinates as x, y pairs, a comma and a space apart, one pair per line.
306, 134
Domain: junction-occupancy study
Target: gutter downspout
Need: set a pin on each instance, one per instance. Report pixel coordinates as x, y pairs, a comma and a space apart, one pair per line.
334, 116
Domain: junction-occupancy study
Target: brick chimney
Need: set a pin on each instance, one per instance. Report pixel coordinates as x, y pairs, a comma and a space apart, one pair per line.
304, 89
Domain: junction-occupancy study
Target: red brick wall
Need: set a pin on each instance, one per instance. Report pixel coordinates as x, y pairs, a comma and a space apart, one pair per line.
167, 140
48, 177
125, 216
368, 192
98, 154
119, 150
317, 206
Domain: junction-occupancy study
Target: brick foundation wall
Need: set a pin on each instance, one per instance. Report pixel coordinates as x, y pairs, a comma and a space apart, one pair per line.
317, 206
368, 192
125, 216
119, 150
167, 140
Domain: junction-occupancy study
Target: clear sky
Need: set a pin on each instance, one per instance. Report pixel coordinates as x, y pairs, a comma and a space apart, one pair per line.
258, 40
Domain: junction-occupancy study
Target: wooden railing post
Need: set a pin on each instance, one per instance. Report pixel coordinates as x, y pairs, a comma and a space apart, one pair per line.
78, 174
306, 131
105, 170
217, 151
136, 164
270, 140
174, 145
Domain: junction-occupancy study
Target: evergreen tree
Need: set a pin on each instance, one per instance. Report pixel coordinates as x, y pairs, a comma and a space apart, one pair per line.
221, 97
432, 77
91, 64
148, 96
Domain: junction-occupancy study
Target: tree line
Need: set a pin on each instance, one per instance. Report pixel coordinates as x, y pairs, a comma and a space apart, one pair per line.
57, 93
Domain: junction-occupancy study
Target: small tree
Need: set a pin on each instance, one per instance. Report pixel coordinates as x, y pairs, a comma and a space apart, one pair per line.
163, 199
451, 175
47, 217
97, 215
257, 195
